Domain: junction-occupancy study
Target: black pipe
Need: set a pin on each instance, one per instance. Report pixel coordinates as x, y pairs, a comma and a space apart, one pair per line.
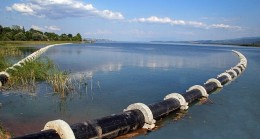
115, 125
231, 74
107, 127
223, 79
237, 71
163, 108
243, 65
192, 95
47, 134
210, 87
241, 68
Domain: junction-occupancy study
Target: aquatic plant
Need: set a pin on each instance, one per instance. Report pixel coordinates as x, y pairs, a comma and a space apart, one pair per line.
60, 82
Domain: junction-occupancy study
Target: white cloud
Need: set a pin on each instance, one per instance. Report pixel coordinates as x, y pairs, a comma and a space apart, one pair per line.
46, 28
167, 20
52, 28
37, 28
61, 9
22, 8
223, 26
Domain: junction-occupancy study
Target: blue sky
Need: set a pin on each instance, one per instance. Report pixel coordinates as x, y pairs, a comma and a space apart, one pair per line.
137, 20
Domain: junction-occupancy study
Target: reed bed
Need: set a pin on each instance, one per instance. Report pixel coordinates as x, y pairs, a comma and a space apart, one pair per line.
60, 82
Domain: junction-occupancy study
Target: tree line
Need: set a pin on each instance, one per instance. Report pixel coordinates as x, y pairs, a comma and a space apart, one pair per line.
17, 33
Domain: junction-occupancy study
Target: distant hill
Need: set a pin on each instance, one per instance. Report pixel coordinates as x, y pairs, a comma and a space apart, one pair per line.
246, 41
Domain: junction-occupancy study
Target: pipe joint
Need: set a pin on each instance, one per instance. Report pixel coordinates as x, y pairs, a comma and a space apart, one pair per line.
231, 70
148, 115
238, 69
180, 98
226, 74
200, 88
61, 127
215, 81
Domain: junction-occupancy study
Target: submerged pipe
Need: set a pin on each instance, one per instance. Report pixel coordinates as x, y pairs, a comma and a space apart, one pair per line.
137, 115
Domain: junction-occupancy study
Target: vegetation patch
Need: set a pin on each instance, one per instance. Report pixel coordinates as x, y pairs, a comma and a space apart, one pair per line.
18, 33
27, 77
3, 133
30, 74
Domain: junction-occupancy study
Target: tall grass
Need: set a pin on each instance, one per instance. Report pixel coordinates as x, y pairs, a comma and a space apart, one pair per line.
31, 73
60, 82
25, 77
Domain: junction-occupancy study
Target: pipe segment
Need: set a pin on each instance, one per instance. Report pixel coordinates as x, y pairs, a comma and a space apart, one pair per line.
146, 111
218, 83
163, 108
200, 88
180, 98
238, 70
211, 86
231, 71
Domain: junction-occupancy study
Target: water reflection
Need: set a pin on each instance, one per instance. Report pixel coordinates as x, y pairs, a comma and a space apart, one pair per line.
94, 59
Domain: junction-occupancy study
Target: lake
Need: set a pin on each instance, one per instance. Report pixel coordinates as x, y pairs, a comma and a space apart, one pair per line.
115, 75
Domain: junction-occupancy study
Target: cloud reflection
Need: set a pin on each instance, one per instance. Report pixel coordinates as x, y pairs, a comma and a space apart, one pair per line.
91, 60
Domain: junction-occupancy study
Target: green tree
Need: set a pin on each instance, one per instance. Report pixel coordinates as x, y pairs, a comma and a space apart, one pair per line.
20, 36
64, 37
51, 36
70, 36
37, 36
7, 36
77, 37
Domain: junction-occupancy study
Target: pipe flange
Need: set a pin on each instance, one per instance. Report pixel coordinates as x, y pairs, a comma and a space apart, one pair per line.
215, 81
61, 127
238, 69
226, 74
148, 115
201, 89
10, 68
231, 70
180, 98
241, 68
17, 65
241, 65
5, 73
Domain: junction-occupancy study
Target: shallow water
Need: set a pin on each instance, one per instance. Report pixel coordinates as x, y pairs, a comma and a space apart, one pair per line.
119, 74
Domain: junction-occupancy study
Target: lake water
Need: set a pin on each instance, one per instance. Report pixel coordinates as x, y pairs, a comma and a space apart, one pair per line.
119, 74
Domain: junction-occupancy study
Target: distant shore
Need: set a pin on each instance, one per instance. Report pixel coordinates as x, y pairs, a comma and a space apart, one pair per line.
199, 42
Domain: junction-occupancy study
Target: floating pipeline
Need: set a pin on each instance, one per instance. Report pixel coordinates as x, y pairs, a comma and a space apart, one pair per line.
137, 115
5, 75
